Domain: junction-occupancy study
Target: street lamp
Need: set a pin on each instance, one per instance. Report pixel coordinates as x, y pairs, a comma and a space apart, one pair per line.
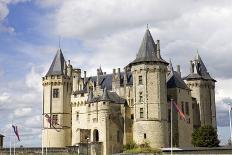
87, 145
230, 122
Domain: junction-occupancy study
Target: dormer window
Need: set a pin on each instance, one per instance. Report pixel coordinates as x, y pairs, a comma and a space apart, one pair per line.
140, 80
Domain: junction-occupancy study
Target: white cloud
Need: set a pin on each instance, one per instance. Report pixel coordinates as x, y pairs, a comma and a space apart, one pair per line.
4, 97
21, 112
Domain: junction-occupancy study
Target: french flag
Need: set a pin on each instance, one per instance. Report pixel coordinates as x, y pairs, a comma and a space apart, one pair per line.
178, 110
15, 128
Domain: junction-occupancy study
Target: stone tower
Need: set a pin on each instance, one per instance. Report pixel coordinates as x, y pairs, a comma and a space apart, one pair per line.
57, 88
203, 89
150, 94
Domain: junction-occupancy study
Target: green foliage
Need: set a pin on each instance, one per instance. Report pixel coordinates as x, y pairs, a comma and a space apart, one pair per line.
205, 136
142, 148
129, 146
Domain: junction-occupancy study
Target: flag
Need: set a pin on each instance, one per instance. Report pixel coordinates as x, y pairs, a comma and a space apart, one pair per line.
52, 121
182, 116
15, 128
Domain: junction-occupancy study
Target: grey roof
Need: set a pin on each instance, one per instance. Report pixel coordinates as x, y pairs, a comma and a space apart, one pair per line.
200, 71
174, 79
108, 96
58, 64
106, 81
147, 51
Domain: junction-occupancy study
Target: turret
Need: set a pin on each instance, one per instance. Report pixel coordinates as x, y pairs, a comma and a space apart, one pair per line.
56, 104
203, 89
150, 94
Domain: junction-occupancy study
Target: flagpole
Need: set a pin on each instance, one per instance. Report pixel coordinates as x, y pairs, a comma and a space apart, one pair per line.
230, 124
46, 141
171, 125
10, 138
14, 145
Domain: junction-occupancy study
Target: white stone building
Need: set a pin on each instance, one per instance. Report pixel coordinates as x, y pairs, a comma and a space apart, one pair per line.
110, 110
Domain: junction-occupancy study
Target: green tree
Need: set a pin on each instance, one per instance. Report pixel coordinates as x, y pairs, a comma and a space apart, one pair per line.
205, 136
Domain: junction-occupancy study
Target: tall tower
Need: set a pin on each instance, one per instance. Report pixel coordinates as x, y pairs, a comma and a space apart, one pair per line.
150, 94
57, 88
203, 89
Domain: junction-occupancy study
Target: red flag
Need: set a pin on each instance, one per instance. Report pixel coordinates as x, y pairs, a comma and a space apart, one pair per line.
179, 110
16, 131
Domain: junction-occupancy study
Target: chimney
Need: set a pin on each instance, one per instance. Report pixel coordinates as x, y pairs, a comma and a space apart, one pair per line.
114, 71
84, 76
125, 76
158, 49
69, 69
178, 69
191, 66
98, 76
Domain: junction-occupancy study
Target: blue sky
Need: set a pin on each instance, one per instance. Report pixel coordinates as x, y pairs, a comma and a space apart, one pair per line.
106, 33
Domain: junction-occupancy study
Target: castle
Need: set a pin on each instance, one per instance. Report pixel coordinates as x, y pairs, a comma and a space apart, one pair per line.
109, 110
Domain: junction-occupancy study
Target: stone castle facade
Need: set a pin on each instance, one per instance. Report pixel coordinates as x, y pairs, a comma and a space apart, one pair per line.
110, 110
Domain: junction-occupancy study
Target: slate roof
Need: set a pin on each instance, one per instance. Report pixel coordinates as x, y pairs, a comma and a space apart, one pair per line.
58, 64
106, 81
174, 79
200, 71
107, 96
147, 51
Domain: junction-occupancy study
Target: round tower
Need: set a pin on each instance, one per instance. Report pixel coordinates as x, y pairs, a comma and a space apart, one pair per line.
150, 94
57, 88
202, 87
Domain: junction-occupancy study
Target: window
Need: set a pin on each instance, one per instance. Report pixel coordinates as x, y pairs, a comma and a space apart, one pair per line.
141, 112
55, 119
140, 80
140, 97
132, 116
82, 94
88, 119
118, 136
187, 108
182, 107
145, 136
55, 93
77, 116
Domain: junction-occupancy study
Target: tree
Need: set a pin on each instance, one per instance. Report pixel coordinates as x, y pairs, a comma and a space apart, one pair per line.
205, 136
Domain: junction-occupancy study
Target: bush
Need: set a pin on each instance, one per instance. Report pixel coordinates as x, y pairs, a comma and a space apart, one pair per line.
142, 148
129, 146
205, 136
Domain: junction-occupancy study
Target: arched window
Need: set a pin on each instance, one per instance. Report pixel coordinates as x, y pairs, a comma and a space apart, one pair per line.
95, 135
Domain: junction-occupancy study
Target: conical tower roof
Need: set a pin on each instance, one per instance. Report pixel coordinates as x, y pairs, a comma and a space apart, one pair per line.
148, 50
58, 64
200, 71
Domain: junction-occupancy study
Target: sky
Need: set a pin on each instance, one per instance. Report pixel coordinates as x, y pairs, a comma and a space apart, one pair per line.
106, 33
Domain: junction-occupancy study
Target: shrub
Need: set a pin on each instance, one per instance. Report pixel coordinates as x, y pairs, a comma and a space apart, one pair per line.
205, 136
